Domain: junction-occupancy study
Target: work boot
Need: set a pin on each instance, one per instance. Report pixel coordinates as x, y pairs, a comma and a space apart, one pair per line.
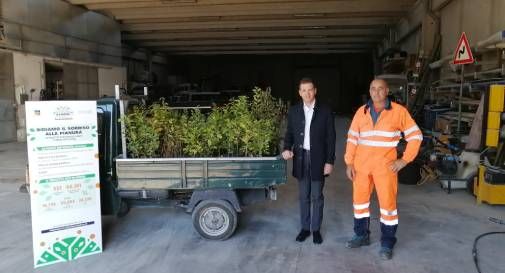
317, 238
357, 241
302, 235
386, 253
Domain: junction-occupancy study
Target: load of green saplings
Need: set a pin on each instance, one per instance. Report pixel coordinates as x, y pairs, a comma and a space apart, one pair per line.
245, 127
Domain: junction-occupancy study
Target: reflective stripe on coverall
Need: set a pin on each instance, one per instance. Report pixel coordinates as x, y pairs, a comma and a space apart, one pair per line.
372, 149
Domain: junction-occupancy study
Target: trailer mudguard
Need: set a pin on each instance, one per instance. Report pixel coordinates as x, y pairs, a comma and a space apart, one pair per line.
214, 194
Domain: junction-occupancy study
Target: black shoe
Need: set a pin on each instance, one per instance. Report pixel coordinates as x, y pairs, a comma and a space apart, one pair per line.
357, 241
386, 253
302, 235
317, 238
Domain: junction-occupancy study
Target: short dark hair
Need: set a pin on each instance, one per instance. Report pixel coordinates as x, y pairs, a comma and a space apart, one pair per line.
307, 80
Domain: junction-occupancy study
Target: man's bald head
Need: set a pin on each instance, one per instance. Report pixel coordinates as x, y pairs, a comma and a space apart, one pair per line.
379, 91
380, 81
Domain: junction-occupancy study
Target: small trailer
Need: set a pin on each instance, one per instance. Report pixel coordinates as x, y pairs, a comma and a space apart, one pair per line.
214, 190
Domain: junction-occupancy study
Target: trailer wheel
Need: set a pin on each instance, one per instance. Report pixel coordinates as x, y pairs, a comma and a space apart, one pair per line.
214, 219
124, 208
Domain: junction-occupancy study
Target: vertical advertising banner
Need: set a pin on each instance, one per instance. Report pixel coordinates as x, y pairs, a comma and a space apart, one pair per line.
62, 142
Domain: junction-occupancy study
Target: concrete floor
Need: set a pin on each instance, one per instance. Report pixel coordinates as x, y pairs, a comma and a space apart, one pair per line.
436, 233
13, 161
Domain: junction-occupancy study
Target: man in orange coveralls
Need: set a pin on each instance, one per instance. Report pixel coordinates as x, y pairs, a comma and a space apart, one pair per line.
371, 160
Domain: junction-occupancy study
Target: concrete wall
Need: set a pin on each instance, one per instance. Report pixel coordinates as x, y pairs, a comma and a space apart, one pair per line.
7, 101
92, 81
6, 76
54, 30
7, 121
108, 78
58, 29
28, 74
407, 34
479, 19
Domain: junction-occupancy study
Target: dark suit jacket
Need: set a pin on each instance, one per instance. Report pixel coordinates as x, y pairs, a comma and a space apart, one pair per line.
322, 139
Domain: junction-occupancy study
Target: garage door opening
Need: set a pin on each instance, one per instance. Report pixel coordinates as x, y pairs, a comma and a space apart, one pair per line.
342, 79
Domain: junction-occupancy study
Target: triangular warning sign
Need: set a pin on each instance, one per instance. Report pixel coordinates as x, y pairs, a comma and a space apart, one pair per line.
463, 53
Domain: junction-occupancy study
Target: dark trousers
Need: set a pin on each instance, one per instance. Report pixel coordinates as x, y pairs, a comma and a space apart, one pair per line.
310, 193
388, 238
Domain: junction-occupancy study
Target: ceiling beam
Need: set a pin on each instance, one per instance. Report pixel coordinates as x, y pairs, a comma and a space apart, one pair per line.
252, 26
86, 2
115, 4
265, 47
394, 15
269, 52
178, 3
307, 40
138, 3
252, 34
270, 8
344, 22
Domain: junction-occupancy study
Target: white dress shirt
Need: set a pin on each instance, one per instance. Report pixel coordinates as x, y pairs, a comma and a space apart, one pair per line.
309, 111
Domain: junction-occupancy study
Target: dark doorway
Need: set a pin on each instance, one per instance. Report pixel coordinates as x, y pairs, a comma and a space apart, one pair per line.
54, 82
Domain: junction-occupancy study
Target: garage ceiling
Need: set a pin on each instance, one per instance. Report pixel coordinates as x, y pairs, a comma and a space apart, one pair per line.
207, 27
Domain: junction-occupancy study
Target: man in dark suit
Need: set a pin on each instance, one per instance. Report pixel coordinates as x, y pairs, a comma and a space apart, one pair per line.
310, 141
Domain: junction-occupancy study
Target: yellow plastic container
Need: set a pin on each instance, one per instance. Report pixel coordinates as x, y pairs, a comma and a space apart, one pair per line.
488, 193
492, 137
497, 98
493, 120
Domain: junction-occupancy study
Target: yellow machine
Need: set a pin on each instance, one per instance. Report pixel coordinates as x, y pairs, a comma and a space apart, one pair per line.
493, 194
489, 186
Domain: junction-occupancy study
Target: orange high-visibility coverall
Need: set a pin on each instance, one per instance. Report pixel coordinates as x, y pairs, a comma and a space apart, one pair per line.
372, 149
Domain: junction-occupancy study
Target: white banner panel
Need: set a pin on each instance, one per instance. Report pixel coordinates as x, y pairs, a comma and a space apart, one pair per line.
64, 180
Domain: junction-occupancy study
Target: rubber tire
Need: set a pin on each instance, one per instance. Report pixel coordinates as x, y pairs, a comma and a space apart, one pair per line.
224, 205
124, 208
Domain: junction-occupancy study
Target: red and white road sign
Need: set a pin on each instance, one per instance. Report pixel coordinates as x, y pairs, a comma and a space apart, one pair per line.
463, 53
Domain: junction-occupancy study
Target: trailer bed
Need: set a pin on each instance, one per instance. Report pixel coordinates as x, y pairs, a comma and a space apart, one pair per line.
200, 173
